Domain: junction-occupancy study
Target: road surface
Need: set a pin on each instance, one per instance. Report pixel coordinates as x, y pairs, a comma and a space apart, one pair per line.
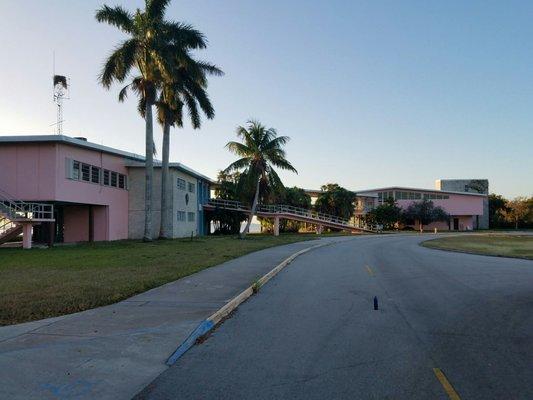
449, 326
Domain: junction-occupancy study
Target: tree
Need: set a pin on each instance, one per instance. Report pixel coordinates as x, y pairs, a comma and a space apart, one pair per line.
187, 88
425, 213
297, 197
519, 211
387, 214
260, 151
335, 200
227, 222
497, 210
152, 47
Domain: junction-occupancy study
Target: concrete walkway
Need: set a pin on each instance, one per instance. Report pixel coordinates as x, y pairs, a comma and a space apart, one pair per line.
112, 352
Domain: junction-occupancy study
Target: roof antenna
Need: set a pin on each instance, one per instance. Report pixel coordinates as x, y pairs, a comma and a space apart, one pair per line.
61, 87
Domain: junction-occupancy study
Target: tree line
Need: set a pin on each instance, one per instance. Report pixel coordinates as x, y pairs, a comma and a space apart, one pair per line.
516, 213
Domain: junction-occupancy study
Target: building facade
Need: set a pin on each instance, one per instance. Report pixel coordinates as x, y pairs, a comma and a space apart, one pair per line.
465, 200
188, 192
97, 191
480, 186
466, 210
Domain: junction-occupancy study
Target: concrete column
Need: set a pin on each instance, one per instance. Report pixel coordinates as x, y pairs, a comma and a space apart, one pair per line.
319, 229
276, 226
26, 235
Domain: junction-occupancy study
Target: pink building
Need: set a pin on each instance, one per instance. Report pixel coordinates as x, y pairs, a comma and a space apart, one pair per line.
86, 183
466, 209
88, 186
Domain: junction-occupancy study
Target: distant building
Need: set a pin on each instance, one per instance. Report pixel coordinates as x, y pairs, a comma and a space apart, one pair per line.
97, 191
465, 200
480, 186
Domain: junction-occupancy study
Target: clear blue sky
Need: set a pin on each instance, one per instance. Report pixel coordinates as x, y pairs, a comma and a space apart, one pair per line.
372, 93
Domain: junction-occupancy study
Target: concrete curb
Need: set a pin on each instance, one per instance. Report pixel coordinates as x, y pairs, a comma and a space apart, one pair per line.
211, 322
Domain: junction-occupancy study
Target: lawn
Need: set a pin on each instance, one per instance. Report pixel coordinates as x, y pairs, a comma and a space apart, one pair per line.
490, 244
41, 283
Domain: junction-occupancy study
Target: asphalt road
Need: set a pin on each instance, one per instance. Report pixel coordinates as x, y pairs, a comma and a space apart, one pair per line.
312, 331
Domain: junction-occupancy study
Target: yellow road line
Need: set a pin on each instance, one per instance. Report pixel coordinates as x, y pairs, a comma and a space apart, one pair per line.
369, 270
448, 388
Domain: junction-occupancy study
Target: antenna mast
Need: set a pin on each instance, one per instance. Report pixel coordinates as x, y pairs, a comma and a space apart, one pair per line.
60, 93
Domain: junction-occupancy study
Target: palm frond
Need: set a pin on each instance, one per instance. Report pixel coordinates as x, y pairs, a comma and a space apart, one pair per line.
209, 68
116, 16
119, 63
183, 35
283, 164
155, 9
238, 165
203, 99
193, 110
239, 149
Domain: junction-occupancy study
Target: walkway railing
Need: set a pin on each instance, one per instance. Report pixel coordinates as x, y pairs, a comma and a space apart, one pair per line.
287, 211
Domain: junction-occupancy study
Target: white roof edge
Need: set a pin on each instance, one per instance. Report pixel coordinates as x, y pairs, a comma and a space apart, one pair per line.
135, 158
176, 165
69, 140
419, 190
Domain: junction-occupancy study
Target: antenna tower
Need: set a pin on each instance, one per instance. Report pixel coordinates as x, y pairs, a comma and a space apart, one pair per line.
60, 93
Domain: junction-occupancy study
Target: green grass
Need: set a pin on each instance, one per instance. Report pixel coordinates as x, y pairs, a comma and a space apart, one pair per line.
41, 283
487, 244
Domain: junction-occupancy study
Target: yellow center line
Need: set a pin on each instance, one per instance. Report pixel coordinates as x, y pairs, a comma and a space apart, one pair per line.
369, 270
448, 388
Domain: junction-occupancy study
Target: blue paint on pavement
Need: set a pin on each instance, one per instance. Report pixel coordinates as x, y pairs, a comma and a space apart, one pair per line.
200, 330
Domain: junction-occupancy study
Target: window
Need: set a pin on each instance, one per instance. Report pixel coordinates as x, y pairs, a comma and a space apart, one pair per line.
121, 181
181, 184
114, 179
106, 177
192, 187
95, 175
191, 216
79, 171
75, 170
85, 172
181, 216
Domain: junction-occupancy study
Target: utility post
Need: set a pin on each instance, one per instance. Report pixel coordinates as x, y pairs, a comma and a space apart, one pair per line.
276, 226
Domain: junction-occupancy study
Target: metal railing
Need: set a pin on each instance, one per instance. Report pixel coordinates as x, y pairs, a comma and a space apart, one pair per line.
20, 210
285, 210
6, 225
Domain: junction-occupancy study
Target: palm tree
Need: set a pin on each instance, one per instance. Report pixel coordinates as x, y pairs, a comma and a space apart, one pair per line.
152, 48
261, 150
188, 88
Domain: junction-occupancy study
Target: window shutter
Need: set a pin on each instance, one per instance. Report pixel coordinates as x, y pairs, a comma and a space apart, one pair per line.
68, 168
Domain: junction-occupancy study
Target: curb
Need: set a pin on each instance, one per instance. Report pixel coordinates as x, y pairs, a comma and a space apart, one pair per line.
211, 322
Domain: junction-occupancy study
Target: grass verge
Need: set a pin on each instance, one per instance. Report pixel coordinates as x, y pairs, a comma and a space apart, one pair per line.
41, 283
519, 246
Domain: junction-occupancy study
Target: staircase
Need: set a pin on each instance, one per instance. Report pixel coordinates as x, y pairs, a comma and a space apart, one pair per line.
289, 212
18, 217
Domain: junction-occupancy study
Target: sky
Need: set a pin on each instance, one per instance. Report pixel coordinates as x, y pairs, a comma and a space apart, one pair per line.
371, 93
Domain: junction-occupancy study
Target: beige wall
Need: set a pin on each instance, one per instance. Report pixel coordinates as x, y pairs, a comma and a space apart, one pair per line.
178, 202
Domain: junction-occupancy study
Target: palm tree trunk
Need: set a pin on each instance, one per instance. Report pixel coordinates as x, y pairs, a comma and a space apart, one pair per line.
164, 230
149, 173
252, 212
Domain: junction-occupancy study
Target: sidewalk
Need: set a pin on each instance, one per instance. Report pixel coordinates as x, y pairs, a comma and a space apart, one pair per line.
112, 352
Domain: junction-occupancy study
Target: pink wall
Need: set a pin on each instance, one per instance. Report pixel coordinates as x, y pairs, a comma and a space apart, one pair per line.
37, 172
76, 224
90, 193
456, 205
27, 171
